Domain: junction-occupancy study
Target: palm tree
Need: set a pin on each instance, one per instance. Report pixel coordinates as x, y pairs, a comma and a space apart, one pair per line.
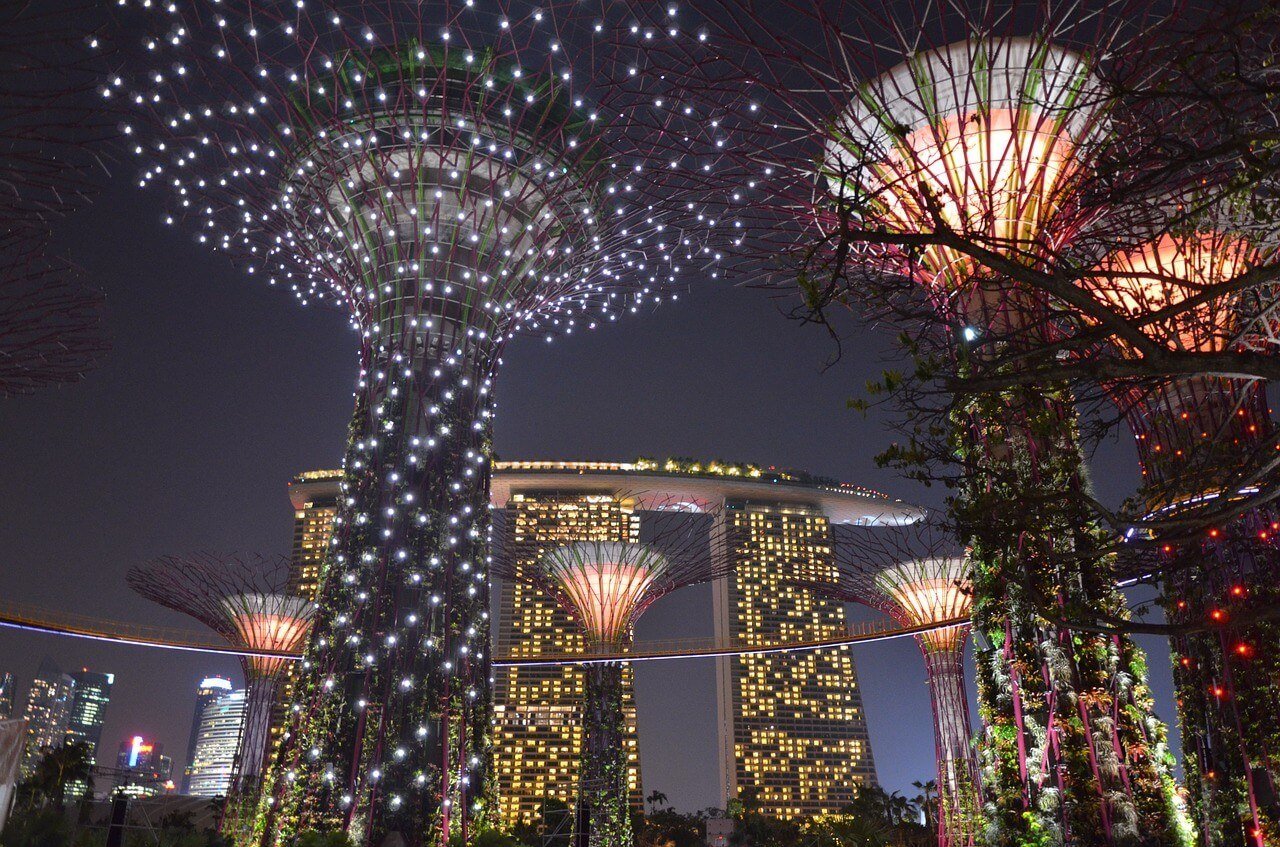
655, 799
60, 768
927, 801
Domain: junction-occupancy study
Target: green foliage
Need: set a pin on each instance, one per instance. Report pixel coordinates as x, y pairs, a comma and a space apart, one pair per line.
60, 768
553, 826
50, 827
36, 828
314, 838
482, 838
669, 828
875, 818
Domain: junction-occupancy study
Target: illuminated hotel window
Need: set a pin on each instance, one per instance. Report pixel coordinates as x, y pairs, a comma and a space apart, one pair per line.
538, 738
798, 734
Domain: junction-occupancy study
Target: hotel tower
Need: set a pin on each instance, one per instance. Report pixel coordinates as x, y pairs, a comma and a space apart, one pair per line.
791, 726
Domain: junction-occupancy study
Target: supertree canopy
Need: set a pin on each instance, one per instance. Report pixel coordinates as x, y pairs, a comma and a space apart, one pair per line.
452, 174
979, 137
48, 119
919, 576
48, 318
1200, 439
943, 145
606, 586
247, 602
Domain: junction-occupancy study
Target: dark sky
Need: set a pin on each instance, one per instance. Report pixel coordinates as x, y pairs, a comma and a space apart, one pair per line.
219, 389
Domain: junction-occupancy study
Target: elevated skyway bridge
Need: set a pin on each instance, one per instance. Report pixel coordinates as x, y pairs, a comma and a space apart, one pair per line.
30, 618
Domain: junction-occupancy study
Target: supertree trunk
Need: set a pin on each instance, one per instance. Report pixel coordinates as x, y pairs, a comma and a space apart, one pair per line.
250, 763
393, 693
958, 790
1227, 685
1192, 435
251, 752
603, 784
1073, 753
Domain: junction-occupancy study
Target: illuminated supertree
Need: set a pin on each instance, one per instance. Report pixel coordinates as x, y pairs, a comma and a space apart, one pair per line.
451, 174
247, 602
919, 575
606, 586
1198, 440
48, 318
943, 145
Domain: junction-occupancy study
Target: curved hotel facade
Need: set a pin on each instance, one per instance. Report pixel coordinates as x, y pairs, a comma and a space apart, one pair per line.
791, 727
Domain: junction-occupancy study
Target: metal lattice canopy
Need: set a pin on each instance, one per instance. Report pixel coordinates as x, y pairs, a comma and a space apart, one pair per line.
916, 574
49, 118
246, 600
607, 585
464, 156
907, 120
979, 137
49, 320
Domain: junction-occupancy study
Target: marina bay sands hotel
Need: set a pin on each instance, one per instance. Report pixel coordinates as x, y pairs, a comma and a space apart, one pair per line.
790, 726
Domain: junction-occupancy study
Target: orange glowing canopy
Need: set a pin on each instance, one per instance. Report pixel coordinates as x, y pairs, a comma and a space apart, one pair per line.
928, 591
979, 137
605, 585
271, 623
1171, 269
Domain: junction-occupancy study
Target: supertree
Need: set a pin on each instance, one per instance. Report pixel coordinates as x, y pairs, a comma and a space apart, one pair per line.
48, 121
943, 146
451, 174
918, 574
247, 602
1196, 439
605, 586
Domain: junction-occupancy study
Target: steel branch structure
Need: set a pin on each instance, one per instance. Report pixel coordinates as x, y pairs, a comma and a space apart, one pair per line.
48, 119
1202, 439
939, 146
606, 586
452, 174
247, 602
49, 320
918, 574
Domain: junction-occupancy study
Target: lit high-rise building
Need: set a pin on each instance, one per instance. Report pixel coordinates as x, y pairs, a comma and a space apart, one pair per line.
213, 756
48, 713
794, 723
792, 729
207, 691
142, 768
89, 701
538, 735
314, 496
6, 695
315, 503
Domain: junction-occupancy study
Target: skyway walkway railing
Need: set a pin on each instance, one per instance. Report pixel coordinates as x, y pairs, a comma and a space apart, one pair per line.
31, 618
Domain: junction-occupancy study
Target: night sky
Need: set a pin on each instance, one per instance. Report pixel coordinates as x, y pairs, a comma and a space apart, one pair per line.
219, 389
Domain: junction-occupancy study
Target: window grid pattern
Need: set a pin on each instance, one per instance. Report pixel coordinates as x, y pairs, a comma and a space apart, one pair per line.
799, 732
538, 732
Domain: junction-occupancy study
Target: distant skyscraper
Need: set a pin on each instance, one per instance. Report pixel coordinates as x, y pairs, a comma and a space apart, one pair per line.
792, 729
314, 496
48, 712
208, 691
6, 695
213, 756
538, 733
315, 503
143, 769
89, 702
